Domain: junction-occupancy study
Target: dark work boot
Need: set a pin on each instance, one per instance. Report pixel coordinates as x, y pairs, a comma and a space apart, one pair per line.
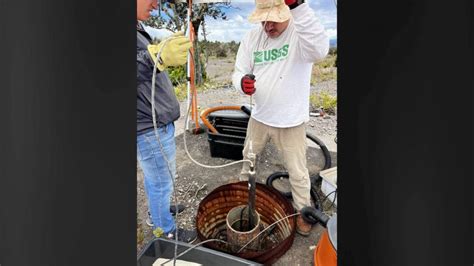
181, 208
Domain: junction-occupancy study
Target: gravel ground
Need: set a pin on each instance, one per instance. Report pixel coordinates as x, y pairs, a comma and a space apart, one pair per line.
321, 126
194, 183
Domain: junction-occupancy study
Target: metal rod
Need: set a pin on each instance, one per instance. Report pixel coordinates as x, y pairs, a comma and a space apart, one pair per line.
188, 70
252, 190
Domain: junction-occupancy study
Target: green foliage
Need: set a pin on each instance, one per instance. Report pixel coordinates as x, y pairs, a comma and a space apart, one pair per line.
158, 232
199, 59
324, 70
221, 52
323, 75
233, 47
173, 15
329, 61
181, 89
204, 77
177, 74
323, 100
218, 49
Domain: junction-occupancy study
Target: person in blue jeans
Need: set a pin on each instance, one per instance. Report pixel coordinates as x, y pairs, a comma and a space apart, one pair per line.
156, 151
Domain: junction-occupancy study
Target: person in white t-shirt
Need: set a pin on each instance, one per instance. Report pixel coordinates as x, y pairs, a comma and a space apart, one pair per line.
273, 66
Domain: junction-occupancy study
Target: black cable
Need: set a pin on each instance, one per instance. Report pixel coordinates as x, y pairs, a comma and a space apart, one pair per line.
241, 217
325, 198
313, 216
324, 149
315, 182
334, 199
315, 196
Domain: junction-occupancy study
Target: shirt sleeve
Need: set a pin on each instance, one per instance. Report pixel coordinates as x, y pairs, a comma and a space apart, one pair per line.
312, 41
243, 63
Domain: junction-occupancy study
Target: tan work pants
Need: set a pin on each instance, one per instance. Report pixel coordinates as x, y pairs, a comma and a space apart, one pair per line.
291, 142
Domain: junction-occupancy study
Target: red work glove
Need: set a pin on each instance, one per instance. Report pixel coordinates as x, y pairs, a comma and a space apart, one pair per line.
248, 84
293, 3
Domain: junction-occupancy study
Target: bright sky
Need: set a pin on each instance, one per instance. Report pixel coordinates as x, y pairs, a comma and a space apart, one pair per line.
236, 25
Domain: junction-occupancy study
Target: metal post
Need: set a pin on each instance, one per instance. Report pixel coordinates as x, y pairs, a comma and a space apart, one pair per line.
252, 188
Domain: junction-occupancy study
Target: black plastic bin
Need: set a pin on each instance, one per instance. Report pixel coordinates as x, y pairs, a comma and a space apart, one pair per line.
231, 126
164, 248
229, 118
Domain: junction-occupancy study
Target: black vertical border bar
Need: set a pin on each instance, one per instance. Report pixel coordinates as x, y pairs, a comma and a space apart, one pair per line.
405, 89
67, 138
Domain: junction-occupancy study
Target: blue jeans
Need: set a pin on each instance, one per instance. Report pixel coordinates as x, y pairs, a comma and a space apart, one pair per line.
158, 183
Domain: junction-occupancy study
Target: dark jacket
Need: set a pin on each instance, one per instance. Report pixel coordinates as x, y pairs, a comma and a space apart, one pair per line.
166, 104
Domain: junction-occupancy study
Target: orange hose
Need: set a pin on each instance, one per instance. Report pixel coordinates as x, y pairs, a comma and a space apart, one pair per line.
192, 78
206, 112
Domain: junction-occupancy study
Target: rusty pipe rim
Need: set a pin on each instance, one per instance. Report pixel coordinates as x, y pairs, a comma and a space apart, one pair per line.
238, 238
239, 208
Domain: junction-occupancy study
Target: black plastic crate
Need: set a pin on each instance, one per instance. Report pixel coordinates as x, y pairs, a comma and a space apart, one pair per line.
231, 126
232, 131
229, 118
229, 145
163, 248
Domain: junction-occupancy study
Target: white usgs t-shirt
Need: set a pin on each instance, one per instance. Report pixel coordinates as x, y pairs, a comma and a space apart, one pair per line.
282, 68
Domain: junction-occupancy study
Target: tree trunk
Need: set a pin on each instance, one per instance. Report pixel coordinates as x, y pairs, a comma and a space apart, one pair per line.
196, 24
197, 60
197, 63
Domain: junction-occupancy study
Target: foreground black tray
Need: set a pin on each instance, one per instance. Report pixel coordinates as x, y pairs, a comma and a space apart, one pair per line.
164, 248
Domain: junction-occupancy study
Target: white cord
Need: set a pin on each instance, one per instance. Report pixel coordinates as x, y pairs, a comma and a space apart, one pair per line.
262, 33
195, 246
157, 135
225, 242
268, 227
204, 165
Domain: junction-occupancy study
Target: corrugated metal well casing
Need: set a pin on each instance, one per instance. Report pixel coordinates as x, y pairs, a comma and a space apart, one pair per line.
270, 204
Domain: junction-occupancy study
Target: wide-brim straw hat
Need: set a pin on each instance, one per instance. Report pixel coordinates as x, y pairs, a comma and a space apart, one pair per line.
270, 10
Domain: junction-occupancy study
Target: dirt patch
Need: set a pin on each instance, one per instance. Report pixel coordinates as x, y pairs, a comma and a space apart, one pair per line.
220, 69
